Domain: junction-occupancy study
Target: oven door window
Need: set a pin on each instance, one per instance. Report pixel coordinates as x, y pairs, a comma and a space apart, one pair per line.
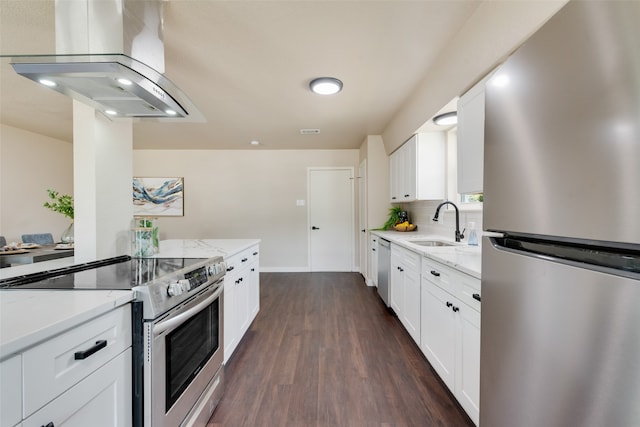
188, 348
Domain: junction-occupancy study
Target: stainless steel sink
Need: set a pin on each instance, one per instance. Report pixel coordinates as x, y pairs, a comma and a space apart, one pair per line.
431, 243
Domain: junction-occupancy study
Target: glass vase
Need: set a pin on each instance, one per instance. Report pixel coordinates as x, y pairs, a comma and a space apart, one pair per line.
67, 235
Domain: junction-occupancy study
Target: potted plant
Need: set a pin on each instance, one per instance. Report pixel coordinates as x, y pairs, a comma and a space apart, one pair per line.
62, 203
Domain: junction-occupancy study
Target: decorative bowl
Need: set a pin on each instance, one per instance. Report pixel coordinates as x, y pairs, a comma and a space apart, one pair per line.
400, 227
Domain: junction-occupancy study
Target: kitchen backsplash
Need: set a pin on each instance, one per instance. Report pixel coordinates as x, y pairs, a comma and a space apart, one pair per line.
421, 214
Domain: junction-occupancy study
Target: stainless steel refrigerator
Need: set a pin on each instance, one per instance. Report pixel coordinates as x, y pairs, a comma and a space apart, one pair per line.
560, 337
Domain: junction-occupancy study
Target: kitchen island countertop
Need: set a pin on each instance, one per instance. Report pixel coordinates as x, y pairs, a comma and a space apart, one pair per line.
203, 248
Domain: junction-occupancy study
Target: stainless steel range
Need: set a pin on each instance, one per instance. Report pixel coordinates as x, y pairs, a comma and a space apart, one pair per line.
178, 373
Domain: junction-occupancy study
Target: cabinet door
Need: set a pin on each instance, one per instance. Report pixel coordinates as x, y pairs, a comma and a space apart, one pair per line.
396, 285
408, 181
471, 140
411, 314
103, 399
231, 327
438, 331
254, 289
373, 261
242, 302
11, 391
395, 176
468, 365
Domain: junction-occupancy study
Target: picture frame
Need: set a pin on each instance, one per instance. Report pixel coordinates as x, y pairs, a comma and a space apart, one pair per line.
158, 196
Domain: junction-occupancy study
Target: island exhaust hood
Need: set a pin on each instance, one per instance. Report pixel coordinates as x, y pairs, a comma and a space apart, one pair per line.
121, 85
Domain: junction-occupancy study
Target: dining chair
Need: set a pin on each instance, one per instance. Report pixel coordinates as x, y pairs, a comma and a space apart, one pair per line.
3, 241
40, 239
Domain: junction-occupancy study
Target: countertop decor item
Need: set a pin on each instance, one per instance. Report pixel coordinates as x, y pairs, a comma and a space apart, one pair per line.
394, 218
405, 227
62, 203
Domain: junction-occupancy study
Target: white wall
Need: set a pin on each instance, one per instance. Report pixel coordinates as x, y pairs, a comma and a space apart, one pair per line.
30, 164
244, 194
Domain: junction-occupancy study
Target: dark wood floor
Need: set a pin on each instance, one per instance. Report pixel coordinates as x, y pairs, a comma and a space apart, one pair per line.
323, 351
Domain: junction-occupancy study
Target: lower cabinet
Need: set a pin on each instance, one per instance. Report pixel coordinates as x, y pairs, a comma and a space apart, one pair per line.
241, 297
81, 377
405, 289
450, 332
373, 261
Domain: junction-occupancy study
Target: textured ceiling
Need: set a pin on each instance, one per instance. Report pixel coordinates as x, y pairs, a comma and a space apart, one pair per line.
246, 65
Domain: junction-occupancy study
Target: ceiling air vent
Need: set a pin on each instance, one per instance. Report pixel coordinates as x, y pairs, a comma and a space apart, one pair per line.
309, 131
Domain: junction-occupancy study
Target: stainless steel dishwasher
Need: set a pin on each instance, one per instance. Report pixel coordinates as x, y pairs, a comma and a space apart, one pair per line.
384, 264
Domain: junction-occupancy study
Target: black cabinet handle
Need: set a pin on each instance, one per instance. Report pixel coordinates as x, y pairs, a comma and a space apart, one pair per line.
373, 249
255, 253
49, 425
79, 355
449, 304
364, 231
230, 268
407, 195
315, 228
435, 273
476, 296
244, 259
455, 309
393, 198
253, 269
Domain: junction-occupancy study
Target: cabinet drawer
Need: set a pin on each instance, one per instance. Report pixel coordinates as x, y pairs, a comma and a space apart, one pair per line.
439, 274
242, 259
11, 391
410, 260
51, 367
467, 288
103, 399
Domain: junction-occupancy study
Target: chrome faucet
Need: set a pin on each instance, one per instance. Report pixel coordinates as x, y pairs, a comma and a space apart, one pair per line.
459, 235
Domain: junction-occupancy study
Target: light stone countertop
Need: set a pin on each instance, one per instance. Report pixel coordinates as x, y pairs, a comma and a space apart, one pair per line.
28, 317
464, 258
203, 248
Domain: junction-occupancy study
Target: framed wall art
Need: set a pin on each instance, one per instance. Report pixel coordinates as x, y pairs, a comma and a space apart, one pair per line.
158, 196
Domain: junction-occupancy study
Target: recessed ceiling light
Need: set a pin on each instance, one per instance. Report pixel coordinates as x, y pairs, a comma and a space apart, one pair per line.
46, 82
124, 81
446, 119
325, 85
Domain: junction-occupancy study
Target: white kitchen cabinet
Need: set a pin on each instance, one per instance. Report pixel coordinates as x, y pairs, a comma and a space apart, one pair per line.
102, 399
471, 139
405, 289
417, 169
241, 297
11, 391
373, 260
79, 377
450, 331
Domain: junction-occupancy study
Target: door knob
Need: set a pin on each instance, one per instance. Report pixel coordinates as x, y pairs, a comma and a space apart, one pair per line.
315, 228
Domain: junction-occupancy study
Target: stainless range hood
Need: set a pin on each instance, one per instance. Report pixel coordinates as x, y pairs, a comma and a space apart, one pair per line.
117, 85
110, 55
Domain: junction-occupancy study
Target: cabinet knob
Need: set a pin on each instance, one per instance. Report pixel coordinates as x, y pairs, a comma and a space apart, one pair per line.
244, 259
476, 296
435, 273
455, 309
449, 304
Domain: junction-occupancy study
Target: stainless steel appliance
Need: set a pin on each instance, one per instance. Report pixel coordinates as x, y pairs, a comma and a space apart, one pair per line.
384, 266
560, 341
178, 373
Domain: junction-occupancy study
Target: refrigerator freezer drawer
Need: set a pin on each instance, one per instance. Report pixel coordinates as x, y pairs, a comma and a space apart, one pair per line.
560, 344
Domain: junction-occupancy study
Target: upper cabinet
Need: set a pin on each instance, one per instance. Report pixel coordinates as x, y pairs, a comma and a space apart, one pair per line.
471, 139
417, 169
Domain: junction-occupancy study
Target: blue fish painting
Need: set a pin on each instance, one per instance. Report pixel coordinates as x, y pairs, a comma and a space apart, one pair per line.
158, 196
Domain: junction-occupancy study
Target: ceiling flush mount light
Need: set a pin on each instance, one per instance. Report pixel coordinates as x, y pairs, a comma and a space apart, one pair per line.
325, 86
47, 82
446, 119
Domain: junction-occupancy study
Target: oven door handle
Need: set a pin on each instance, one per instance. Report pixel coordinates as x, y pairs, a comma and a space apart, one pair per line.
178, 319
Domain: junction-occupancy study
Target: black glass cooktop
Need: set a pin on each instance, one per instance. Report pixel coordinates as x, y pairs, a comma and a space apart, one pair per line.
119, 273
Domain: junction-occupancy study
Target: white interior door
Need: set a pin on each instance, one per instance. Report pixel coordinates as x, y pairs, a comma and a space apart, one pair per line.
331, 219
362, 224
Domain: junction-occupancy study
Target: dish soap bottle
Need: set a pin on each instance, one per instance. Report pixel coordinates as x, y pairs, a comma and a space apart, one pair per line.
473, 238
